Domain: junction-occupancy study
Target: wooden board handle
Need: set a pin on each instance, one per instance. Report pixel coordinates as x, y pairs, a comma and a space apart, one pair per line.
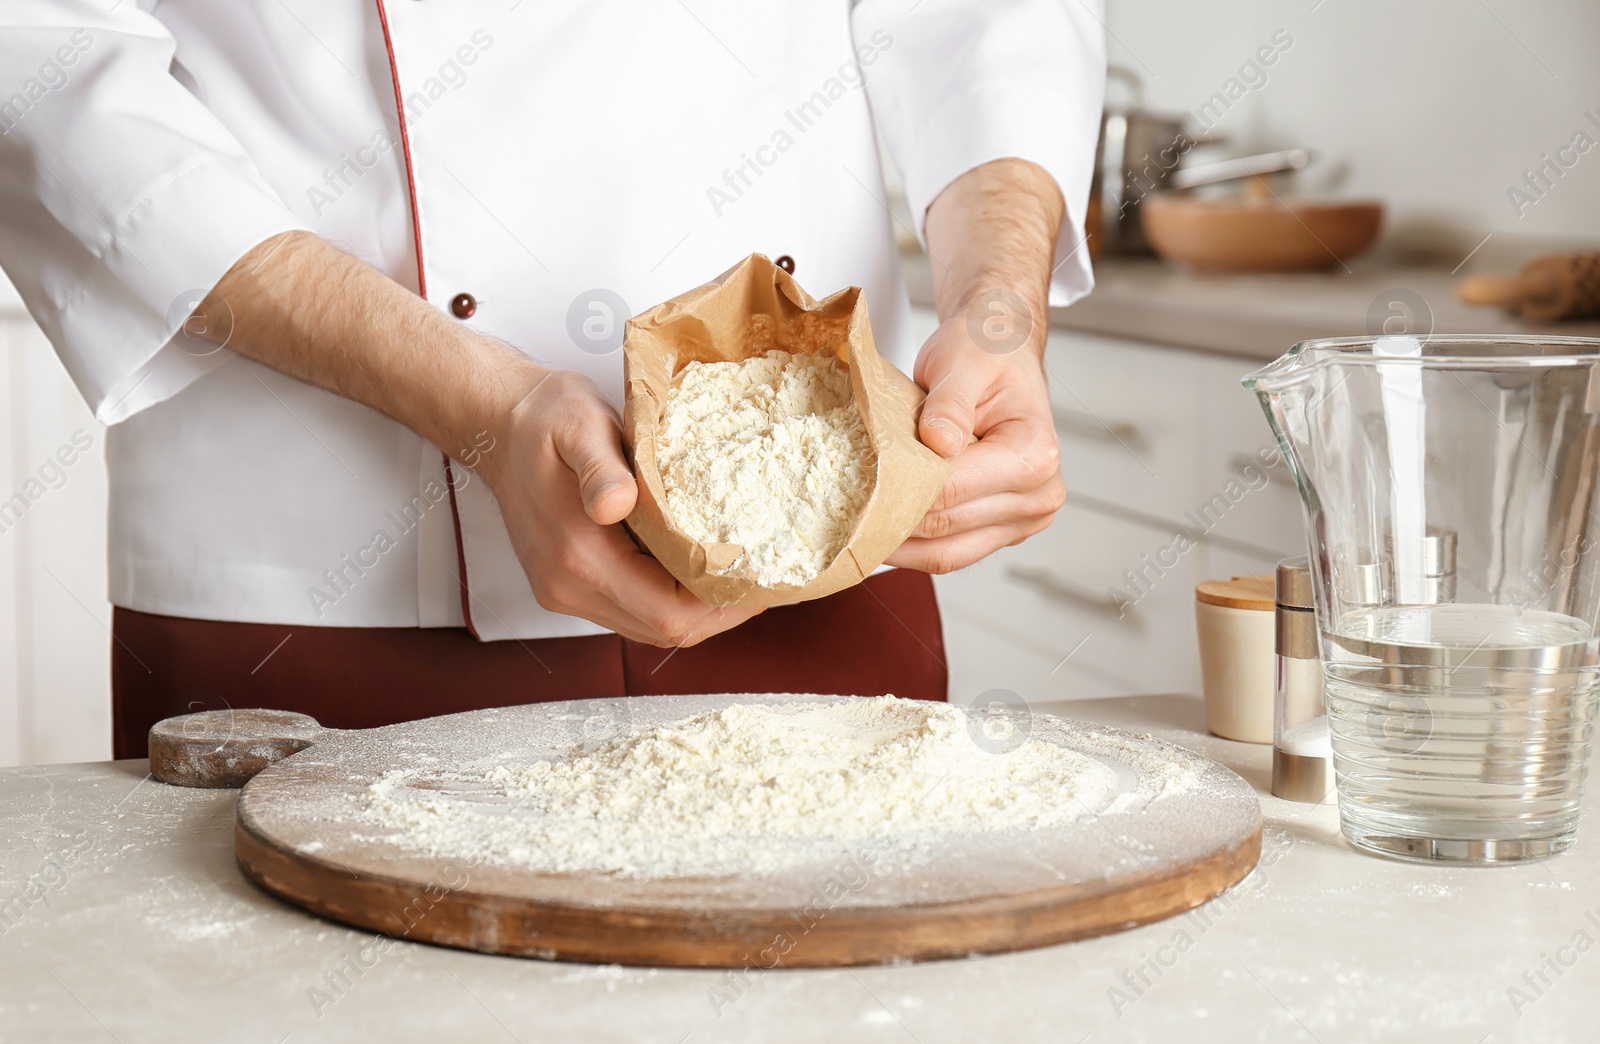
222, 749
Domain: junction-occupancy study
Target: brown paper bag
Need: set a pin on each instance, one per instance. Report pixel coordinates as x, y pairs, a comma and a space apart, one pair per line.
752, 309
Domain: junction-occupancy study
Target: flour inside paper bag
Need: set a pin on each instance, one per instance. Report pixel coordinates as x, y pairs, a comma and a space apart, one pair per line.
776, 451
768, 454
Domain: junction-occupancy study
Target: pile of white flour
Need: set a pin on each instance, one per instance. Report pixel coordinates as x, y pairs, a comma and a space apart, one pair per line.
756, 789
769, 454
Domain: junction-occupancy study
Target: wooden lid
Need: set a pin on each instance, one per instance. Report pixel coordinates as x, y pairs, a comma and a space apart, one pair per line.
1242, 592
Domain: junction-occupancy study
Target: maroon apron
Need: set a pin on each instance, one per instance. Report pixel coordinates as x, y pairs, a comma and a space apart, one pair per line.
881, 636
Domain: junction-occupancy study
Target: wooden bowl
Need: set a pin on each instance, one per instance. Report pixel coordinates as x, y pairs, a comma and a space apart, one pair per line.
1258, 235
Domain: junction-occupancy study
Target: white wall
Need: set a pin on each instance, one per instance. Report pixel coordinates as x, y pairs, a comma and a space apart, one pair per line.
1433, 105
55, 681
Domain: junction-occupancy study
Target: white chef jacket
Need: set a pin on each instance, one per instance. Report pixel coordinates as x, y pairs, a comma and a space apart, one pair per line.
568, 162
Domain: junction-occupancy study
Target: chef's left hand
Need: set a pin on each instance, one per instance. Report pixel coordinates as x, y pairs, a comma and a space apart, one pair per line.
988, 413
992, 235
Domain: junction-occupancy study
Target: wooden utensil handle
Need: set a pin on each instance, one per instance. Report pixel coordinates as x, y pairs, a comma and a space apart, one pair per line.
1496, 291
1547, 290
222, 749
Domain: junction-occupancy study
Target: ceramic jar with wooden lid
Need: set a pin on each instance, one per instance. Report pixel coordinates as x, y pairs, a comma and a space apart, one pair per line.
1238, 656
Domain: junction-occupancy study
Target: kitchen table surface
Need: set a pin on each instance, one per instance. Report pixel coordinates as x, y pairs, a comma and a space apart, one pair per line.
124, 919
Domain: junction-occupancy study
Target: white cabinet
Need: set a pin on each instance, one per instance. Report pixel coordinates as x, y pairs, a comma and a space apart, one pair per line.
1172, 478
1127, 416
1236, 445
1064, 605
55, 643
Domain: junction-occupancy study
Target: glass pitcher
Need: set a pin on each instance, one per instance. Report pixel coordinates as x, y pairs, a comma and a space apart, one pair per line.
1449, 487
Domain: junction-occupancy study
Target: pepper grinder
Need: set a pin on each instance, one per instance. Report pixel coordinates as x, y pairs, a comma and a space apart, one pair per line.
1302, 748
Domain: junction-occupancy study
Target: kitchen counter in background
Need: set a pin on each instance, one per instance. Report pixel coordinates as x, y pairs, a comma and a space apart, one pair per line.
1260, 316
144, 930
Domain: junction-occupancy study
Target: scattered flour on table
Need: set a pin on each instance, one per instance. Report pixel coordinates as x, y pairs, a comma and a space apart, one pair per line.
759, 788
768, 454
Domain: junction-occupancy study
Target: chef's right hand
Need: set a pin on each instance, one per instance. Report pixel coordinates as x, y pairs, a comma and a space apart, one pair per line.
564, 489
303, 306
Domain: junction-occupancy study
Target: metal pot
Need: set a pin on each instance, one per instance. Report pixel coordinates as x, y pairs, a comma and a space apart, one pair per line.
1141, 152
1133, 143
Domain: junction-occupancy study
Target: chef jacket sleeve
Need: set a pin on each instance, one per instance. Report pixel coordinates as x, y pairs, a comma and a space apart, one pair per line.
957, 83
123, 200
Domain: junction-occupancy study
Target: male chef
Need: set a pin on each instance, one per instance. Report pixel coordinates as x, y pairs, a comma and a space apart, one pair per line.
346, 281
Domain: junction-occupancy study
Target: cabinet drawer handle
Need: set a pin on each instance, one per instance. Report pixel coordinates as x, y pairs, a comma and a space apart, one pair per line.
1059, 590
1086, 425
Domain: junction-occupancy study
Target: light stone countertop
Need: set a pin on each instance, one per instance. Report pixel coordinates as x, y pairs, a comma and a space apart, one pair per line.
143, 930
1261, 316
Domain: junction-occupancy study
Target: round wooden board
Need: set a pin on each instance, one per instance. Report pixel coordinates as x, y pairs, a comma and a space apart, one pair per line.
300, 836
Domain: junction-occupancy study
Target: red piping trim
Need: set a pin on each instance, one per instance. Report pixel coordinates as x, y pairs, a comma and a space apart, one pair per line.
461, 547
422, 289
405, 148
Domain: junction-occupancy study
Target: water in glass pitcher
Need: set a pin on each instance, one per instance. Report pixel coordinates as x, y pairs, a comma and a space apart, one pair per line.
1461, 731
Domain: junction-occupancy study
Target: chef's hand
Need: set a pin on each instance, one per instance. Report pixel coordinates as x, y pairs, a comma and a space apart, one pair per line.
988, 413
991, 234
564, 488
546, 442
